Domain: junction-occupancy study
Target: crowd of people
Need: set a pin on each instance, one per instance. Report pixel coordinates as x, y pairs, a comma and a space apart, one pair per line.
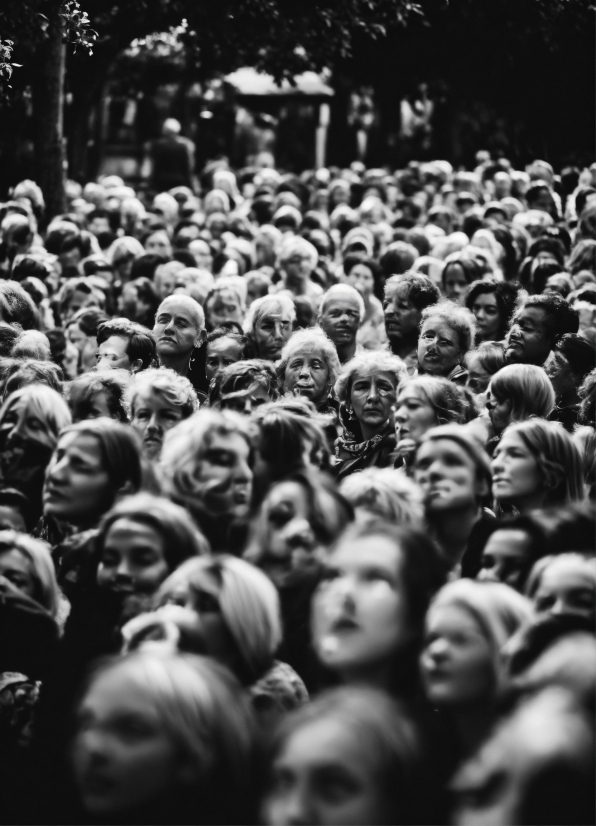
297, 482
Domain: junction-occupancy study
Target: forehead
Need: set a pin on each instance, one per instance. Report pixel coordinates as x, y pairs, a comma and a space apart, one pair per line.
115, 343
325, 742
342, 299
307, 349
225, 294
402, 292
132, 527
81, 442
377, 550
175, 307
486, 298
287, 492
232, 442
274, 312
224, 344
150, 397
413, 393
444, 447
534, 314
370, 373
569, 572
507, 542
438, 324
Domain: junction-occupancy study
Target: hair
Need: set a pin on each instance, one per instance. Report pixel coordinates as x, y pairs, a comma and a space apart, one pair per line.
497, 609
241, 376
190, 304
421, 291
490, 354
579, 352
387, 741
451, 403
171, 386
342, 289
534, 531
587, 393
38, 555
386, 494
398, 258
538, 571
202, 710
469, 443
583, 257
351, 261
17, 306
249, 606
561, 318
88, 320
32, 344
468, 266
9, 334
376, 360
458, 318
261, 306
507, 296
527, 387
19, 374
45, 402
114, 383
558, 459
228, 332
140, 341
311, 339
297, 245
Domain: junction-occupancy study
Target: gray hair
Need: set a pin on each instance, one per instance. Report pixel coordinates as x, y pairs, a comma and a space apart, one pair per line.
373, 360
459, 319
311, 339
260, 307
342, 289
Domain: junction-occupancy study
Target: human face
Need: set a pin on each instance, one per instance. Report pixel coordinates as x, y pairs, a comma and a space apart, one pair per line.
78, 301
224, 476
505, 558
456, 662
414, 415
78, 488
567, 588
246, 401
158, 243
112, 355
123, 758
298, 268
528, 341
488, 317
402, 319
499, 411
362, 279
320, 776
94, 407
439, 350
11, 519
559, 372
21, 422
70, 361
202, 254
16, 568
76, 336
224, 306
455, 283
447, 476
271, 332
340, 319
372, 397
517, 479
478, 378
177, 329
152, 417
293, 553
133, 559
360, 609
165, 281
307, 374
221, 353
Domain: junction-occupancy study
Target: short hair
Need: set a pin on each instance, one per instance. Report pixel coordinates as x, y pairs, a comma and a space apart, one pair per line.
579, 352
458, 318
190, 304
228, 332
39, 557
32, 344
45, 402
249, 607
140, 343
17, 306
170, 385
561, 318
242, 375
451, 403
342, 289
528, 387
398, 258
422, 292
300, 246
88, 320
534, 531
583, 256
310, 339
490, 354
114, 383
545, 562
261, 306
507, 294
21, 373
385, 493
13, 498
9, 334
376, 360
558, 459
470, 444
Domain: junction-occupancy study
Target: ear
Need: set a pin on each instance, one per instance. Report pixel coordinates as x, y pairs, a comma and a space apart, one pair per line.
136, 365
200, 339
126, 490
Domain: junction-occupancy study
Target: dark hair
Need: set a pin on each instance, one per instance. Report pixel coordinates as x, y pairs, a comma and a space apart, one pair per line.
147, 294
8, 337
185, 257
89, 320
560, 317
113, 383
506, 295
242, 375
27, 267
398, 258
239, 338
470, 269
422, 292
579, 352
536, 534
140, 341
145, 265
32, 371
13, 498
17, 306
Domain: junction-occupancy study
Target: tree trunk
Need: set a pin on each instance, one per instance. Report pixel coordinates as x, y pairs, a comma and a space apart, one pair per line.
48, 118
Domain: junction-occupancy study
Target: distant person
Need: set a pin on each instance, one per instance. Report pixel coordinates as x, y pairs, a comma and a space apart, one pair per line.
170, 160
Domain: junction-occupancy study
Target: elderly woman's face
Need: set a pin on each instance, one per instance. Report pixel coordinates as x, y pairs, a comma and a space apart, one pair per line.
271, 331
224, 306
152, 416
221, 353
439, 349
307, 374
177, 328
372, 397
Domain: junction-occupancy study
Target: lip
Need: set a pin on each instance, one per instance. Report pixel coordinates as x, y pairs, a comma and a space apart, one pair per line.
240, 497
500, 480
55, 493
344, 625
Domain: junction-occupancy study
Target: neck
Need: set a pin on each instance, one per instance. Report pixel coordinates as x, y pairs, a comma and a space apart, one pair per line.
453, 530
180, 364
368, 432
378, 676
473, 724
402, 347
346, 352
533, 501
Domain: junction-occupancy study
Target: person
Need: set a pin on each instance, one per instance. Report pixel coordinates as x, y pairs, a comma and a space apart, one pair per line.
158, 399
571, 360
31, 420
381, 493
564, 585
19, 374
269, 324
341, 312
169, 160
536, 328
27, 564
16, 511
309, 367
536, 465
124, 345
138, 301
367, 389
195, 767
493, 304
81, 330
297, 260
422, 403
244, 386
511, 550
457, 276
206, 466
224, 303
364, 275
515, 393
224, 346
463, 674
94, 395
481, 364
368, 612
179, 333
446, 335
352, 756
406, 296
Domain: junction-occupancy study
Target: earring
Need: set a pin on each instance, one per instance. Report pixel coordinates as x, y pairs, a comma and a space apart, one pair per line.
192, 357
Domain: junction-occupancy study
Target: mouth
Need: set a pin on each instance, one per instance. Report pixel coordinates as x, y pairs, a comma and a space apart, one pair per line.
240, 497
344, 625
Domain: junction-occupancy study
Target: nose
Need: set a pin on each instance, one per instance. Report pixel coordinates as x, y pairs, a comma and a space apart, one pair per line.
559, 609
372, 392
123, 569
296, 810
243, 473
496, 464
57, 471
170, 325
154, 423
401, 415
298, 533
94, 745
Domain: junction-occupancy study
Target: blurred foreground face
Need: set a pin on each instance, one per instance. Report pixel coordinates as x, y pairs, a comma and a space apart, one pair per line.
17, 569
224, 476
567, 587
320, 777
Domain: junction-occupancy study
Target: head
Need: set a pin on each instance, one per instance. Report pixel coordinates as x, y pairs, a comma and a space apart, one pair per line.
569, 363
341, 312
537, 327
493, 304
457, 275
123, 344
94, 464
33, 415
269, 324
225, 347
244, 386
425, 402
511, 550
537, 464
224, 303
297, 259
93, 395
158, 399
564, 585
516, 392
406, 296
482, 363
363, 274
309, 365
28, 565
381, 493
446, 334
23, 373
179, 328
157, 242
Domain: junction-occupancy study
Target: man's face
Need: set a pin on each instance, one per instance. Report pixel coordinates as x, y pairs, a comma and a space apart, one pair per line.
529, 340
98, 225
340, 319
402, 319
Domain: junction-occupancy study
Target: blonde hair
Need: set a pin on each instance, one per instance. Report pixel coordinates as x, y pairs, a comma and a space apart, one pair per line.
385, 493
311, 339
261, 306
377, 361
39, 556
527, 387
45, 403
170, 385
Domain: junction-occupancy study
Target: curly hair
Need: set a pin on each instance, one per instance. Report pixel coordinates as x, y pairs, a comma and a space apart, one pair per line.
241, 376
171, 386
458, 318
422, 292
114, 383
451, 403
374, 361
311, 340
508, 296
